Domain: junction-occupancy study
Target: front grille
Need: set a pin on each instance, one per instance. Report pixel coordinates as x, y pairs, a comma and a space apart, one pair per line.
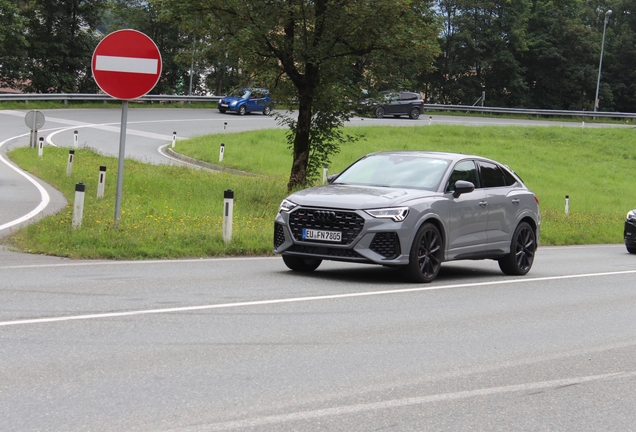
325, 251
348, 223
386, 244
279, 235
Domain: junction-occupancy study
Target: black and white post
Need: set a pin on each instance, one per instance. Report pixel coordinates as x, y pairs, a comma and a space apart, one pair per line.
75, 139
40, 146
221, 151
567, 204
224, 127
325, 173
69, 165
174, 139
228, 214
101, 182
78, 205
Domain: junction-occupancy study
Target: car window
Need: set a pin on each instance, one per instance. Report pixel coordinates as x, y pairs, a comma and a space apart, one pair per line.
492, 176
396, 170
464, 170
408, 96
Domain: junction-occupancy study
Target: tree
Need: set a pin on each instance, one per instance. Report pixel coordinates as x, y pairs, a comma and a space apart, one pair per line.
309, 50
61, 39
174, 45
12, 43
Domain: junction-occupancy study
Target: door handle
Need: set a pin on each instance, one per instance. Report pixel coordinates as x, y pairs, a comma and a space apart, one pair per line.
483, 203
515, 201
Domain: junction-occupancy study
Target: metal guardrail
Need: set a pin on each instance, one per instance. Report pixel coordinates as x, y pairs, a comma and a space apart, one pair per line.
530, 111
25, 97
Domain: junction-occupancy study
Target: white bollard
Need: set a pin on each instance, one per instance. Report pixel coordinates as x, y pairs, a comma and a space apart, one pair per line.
101, 182
567, 204
78, 205
174, 139
41, 146
325, 173
228, 214
583, 124
221, 151
224, 127
69, 165
430, 120
75, 139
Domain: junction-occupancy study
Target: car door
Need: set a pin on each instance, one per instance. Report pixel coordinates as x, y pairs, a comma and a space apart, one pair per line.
392, 105
502, 208
468, 213
252, 101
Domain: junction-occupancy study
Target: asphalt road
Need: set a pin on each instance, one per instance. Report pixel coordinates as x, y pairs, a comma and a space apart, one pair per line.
244, 344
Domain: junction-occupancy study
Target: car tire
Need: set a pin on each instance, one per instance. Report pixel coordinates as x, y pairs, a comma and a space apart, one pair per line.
222, 111
379, 112
631, 249
267, 110
425, 257
242, 110
522, 249
414, 114
301, 264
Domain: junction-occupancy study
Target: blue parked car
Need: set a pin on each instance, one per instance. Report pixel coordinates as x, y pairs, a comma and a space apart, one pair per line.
247, 100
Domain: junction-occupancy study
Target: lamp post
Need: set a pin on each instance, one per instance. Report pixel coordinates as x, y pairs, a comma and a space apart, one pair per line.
600, 63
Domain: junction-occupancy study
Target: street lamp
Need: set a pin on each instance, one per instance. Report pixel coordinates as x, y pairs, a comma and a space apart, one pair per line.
600, 63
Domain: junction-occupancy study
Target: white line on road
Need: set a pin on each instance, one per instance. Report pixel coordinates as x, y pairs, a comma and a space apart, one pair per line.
302, 299
398, 403
44, 196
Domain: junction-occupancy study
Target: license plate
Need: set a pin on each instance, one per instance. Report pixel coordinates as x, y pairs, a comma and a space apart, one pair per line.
329, 236
224, 105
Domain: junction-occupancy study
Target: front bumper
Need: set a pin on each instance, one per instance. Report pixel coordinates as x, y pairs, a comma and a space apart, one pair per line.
364, 239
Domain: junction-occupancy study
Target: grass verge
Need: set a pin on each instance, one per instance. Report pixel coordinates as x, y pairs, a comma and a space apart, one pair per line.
171, 212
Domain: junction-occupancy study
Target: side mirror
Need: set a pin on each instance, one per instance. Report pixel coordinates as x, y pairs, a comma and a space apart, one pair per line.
463, 187
332, 177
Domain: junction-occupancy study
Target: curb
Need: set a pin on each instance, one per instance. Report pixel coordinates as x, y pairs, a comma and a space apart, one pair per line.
207, 165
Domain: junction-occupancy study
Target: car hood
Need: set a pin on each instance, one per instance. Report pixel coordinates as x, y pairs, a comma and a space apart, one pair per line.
356, 197
228, 99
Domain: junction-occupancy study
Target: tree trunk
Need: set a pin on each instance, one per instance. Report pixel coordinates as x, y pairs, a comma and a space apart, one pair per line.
298, 174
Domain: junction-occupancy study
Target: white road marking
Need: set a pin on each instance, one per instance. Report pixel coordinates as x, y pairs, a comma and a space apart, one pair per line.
398, 403
302, 299
44, 195
126, 64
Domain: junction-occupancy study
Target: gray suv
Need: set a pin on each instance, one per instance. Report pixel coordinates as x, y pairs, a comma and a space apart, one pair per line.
412, 210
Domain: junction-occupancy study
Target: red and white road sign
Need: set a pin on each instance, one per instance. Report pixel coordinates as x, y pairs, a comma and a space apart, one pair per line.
126, 64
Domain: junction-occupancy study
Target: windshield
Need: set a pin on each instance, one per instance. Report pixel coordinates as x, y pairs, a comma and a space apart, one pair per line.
242, 93
396, 170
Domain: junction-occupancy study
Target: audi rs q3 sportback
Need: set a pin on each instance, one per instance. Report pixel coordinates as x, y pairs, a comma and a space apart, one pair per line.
412, 210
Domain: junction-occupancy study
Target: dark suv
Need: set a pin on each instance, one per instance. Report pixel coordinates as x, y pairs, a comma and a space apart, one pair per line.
398, 104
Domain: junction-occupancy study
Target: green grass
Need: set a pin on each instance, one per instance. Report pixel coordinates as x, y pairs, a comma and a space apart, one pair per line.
177, 212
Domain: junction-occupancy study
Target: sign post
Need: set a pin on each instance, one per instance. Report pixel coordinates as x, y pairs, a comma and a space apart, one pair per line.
126, 65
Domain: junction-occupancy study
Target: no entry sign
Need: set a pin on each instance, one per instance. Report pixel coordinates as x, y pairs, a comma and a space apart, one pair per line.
126, 64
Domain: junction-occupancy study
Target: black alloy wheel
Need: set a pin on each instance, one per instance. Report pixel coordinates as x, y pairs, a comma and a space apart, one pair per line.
242, 110
414, 114
522, 249
379, 112
301, 264
425, 259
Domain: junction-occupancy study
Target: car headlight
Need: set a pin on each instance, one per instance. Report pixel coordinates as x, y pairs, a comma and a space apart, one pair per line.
631, 216
398, 214
233, 103
287, 206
